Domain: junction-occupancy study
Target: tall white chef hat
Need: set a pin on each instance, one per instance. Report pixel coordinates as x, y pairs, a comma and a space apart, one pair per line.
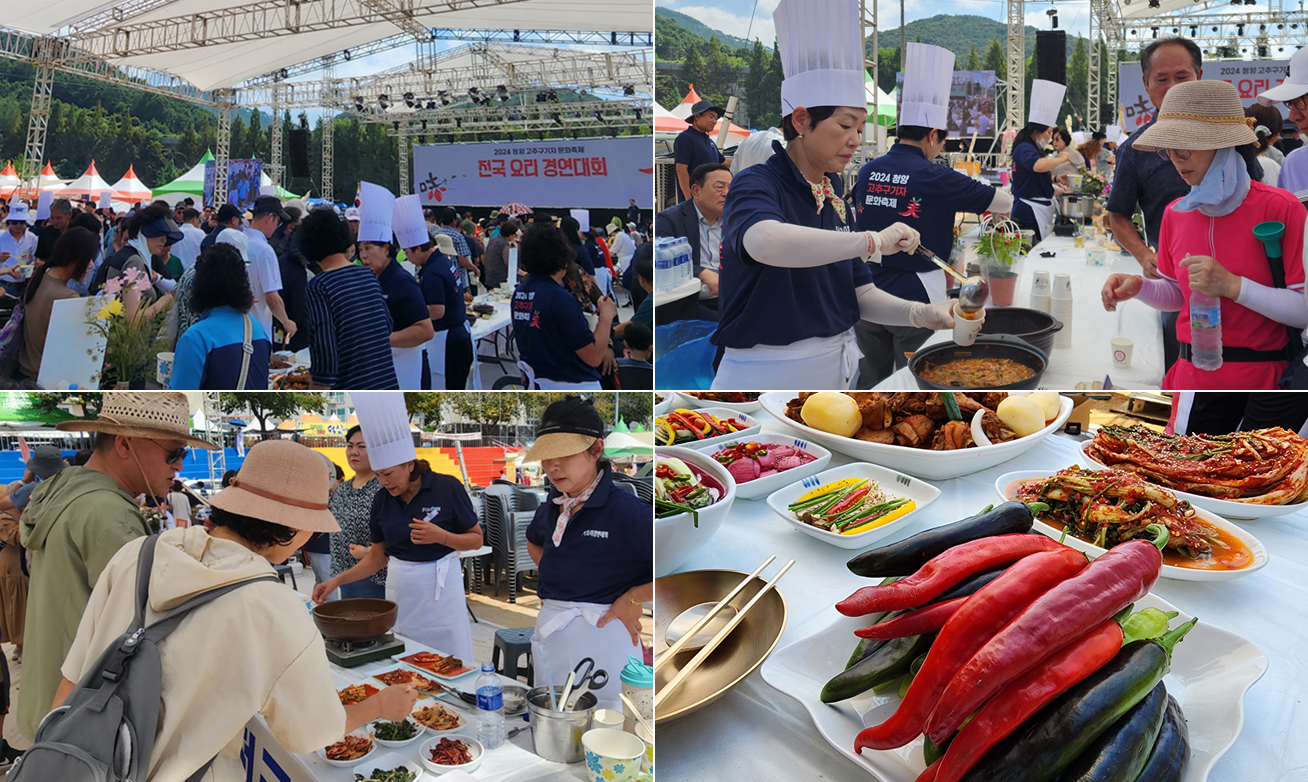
43, 201
1078, 137
268, 190
385, 425
1112, 132
376, 211
410, 227
1046, 99
821, 54
928, 76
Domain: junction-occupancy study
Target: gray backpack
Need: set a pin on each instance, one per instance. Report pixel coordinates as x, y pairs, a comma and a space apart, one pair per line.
105, 730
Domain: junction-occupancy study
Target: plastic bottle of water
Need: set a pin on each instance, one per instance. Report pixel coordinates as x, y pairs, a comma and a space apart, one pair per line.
1205, 332
490, 708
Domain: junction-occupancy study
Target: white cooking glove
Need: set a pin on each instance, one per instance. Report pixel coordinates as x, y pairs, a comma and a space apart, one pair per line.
898, 238
936, 316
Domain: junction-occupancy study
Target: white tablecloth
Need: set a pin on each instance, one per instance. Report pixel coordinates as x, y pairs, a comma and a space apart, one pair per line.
757, 732
1090, 357
485, 327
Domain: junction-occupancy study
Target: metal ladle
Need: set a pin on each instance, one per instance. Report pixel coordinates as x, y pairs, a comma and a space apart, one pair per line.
973, 291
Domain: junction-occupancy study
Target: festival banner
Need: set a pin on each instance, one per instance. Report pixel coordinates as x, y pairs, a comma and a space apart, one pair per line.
1249, 77
600, 173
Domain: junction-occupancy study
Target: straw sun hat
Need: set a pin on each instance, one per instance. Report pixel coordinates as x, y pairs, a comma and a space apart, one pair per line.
1199, 115
281, 482
157, 415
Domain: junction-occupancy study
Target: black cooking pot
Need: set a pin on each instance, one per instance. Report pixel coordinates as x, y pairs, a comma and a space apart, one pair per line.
1032, 326
1003, 346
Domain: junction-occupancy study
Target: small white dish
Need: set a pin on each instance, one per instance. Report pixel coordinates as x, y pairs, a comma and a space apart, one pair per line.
474, 748
677, 538
463, 720
388, 762
351, 763
1229, 509
669, 398
687, 399
915, 489
751, 426
761, 487
419, 729
1004, 486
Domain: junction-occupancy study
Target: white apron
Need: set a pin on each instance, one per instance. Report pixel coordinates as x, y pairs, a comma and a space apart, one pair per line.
569, 631
828, 363
933, 282
432, 607
545, 384
1043, 209
436, 360
408, 367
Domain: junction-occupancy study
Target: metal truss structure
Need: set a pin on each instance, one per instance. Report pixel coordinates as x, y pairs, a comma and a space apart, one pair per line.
606, 118
223, 154
328, 136
275, 168
1014, 86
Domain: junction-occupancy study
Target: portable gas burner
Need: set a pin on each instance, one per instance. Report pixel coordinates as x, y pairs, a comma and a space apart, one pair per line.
351, 654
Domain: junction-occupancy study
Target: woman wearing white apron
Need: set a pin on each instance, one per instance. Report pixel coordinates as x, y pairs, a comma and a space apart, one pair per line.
419, 525
594, 544
558, 349
794, 278
410, 323
449, 351
1033, 182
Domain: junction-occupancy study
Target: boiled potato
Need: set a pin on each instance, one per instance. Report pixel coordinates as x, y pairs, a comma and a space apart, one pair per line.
1022, 415
834, 412
1048, 401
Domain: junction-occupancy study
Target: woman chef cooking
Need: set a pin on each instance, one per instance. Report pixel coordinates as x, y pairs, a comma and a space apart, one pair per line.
1033, 184
793, 279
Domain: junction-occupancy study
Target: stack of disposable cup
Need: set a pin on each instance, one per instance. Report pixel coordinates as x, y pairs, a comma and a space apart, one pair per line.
1040, 292
1061, 308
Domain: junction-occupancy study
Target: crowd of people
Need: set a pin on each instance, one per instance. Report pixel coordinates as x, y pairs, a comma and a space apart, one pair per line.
375, 307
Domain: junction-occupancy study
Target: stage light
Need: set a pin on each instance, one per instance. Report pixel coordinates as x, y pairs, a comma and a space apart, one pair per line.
557, 119
540, 134
629, 90
1052, 13
1175, 30
638, 115
283, 73
358, 102
502, 92
458, 122
516, 36
408, 99
1262, 28
1239, 29
599, 115
474, 93
431, 105
424, 124
384, 101
346, 55
1155, 31
443, 97
1194, 31
1155, 4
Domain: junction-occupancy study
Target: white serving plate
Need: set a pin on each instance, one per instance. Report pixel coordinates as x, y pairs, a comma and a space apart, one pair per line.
1240, 511
931, 465
1169, 571
752, 426
415, 648
761, 487
669, 399
474, 748
684, 399
407, 669
676, 538
389, 762
322, 753
915, 489
463, 719
421, 729
1211, 671
370, 682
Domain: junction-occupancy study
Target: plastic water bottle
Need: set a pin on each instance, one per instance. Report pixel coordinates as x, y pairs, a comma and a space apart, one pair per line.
1205, 332
490, 708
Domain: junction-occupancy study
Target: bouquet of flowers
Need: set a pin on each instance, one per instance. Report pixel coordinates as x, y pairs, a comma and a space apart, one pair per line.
154, 519
1095, 183
133, 333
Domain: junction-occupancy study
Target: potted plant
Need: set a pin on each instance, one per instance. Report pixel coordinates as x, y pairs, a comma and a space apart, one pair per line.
133, 333
998, 248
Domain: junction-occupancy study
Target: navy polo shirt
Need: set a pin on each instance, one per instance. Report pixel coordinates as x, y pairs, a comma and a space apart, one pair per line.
1027, 182
403, 296
1145, 179
439, 287
902, 186
694, 148
584, 259
391, 517
607, 548
769, 305
549, 329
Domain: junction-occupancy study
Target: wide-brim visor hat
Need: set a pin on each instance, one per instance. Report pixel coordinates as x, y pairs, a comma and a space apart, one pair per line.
1199, 115
159, 228
281, 482
560, 439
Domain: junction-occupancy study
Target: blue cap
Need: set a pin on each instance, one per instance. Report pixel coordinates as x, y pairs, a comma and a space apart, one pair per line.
638, 674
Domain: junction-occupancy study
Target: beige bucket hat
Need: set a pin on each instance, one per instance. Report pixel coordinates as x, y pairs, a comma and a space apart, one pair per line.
1199, 115
162, 415
281, 482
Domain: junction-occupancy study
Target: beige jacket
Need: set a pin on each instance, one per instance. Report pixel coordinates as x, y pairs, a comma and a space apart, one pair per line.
254, 651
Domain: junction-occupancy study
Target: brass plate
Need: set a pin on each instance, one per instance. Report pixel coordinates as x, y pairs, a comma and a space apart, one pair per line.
735, 658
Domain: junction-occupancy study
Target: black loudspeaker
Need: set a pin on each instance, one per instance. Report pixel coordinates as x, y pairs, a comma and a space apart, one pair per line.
299, 141
1051, 55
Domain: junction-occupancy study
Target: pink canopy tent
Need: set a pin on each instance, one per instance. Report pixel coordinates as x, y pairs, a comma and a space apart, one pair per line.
735, 133
129, 189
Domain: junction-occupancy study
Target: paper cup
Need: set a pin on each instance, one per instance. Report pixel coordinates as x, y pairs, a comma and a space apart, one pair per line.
163, 368
965, 329
1062, 286
1040, 283
608, 718
1122, 348
612, 755
647, 737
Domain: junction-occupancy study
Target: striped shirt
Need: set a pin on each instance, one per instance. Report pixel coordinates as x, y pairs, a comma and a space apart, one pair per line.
350, 331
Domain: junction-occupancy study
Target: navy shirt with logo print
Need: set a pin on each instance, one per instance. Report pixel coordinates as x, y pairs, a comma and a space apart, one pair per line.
391, 517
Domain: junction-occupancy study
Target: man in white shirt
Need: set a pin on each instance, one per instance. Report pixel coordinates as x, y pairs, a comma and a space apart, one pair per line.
188, 249
623, 248
265, 274
17, 246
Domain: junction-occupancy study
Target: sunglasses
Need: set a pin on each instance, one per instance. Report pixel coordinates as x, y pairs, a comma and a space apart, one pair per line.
1181, 154
173, 456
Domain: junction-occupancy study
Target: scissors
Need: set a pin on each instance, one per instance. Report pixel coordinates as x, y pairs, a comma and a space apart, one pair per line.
585, 678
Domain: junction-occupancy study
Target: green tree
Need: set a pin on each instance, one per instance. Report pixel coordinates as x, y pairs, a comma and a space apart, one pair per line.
1078, 82
719, 73
973, 61
237, 147
487, 410
190, 147
50, 401
256, 136
427, 403
263, 405
693, 71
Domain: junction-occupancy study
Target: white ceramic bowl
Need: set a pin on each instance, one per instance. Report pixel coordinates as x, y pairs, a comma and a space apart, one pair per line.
684, 399
761, 487
322, 753
420, 729
751, 424
1242, 511
920, 492
388, 762
676, 538
924, 463
474, 747
670, 398
1004, 482
463, 720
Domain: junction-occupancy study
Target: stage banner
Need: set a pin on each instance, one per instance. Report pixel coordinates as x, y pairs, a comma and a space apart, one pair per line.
601, 173
1249, 77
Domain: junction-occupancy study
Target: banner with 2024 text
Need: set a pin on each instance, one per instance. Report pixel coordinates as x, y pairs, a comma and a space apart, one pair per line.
549, 174
1248, 77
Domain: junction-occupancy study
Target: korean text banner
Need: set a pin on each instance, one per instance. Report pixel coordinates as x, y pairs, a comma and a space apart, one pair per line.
1250, 78
550, 174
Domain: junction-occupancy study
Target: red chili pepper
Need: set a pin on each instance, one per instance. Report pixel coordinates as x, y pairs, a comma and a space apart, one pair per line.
985, 613
664, 471
848, 502
942, 572
930, 773
708, 419
680, 493
687, 423
923, 620
1056, 619
1026, 695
